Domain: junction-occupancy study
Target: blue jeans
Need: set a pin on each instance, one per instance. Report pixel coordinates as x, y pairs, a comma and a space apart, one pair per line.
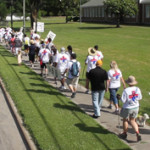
113, 93
97, 99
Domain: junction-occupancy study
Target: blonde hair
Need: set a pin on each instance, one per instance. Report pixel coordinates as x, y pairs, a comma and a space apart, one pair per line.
113, 65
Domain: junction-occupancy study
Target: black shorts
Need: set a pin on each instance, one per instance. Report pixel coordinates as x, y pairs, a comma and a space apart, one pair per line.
43, 65
26, 47
31, 57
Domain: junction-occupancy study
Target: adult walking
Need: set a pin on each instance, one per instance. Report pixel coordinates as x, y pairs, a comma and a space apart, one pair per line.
44, 56
73, 69
62, 60
99, 53
113, 84
32, 49
98, 78
130, 98
91, 60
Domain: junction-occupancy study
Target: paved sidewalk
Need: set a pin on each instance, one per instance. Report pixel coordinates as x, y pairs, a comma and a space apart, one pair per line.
10, 138
108, 119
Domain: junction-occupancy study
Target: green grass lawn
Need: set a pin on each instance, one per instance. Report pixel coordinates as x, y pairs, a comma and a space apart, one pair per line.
128, 45
53, 120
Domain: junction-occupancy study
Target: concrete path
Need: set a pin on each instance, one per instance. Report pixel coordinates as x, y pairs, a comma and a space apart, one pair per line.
10, 138
108, 119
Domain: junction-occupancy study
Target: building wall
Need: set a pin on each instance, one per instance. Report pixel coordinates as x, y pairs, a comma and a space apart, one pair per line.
97, 14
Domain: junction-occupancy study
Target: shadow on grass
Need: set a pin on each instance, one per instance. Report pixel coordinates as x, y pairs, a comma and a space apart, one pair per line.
93, 28
44, 92
29, 73
85, 128
6, 54
69, 107
41, 85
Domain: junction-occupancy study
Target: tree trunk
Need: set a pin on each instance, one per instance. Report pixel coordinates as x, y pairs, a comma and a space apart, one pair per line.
118, 21
33, 17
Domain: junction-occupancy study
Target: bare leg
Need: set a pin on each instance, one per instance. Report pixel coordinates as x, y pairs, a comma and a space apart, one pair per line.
134, 125
125, 125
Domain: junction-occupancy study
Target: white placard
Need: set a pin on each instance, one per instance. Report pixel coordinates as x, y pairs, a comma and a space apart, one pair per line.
145, 1
51, 35
40, 26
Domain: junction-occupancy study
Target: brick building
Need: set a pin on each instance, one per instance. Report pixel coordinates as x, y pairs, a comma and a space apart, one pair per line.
93, 11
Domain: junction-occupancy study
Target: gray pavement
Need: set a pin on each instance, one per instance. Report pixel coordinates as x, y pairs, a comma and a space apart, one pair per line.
108, 119
10, 138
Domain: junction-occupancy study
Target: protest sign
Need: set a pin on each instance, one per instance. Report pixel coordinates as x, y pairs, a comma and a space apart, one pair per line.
40, 26
50, 35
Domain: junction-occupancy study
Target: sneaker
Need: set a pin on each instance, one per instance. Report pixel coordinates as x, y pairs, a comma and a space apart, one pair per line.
117, 111
87, 92
138, 137
73, 95
110, 107
94, 116
63, 87
123, 135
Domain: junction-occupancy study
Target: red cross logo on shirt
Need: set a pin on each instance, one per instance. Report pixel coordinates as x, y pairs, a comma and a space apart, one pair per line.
98, 55
63, 59
44, 52
94, 60
133, 96
116, 75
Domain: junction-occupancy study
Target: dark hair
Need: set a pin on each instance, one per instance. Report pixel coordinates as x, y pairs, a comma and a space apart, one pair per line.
73, 56
96, 47
25, 35
49, 39
69, 49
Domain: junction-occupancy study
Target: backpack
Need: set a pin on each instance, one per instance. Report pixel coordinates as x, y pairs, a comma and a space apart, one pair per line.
74, 69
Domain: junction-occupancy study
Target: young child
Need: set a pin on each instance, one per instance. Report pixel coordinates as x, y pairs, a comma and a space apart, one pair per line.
19, 57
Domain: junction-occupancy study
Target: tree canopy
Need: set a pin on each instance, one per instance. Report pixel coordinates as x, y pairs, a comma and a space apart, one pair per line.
120, 8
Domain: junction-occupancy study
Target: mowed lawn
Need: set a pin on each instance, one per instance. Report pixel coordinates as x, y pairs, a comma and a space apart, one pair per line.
54, 121
128, 45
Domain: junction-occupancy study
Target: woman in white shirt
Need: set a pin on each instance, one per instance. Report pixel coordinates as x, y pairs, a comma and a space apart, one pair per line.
130, 98
114, 83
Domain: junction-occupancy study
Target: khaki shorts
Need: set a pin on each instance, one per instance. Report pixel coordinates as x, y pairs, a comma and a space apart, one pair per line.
73, 81
129, 113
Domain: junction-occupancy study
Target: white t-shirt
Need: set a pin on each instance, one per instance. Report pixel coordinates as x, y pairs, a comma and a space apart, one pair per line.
91, 62
69, 67
130, 97
34, 35
44, 55
100, 55
114, 77
62, 61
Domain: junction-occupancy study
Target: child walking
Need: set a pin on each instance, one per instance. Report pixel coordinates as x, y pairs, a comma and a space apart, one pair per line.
19, 57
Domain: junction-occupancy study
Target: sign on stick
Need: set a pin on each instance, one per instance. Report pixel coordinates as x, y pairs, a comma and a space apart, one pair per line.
40, 26
51, 35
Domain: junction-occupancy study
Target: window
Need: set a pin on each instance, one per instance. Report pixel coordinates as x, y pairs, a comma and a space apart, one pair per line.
148, 11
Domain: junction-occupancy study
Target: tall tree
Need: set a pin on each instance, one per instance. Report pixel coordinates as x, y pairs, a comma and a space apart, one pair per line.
121, 8
3, 11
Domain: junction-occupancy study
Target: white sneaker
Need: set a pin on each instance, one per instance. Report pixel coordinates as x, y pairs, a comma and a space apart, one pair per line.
63, 87
87, 92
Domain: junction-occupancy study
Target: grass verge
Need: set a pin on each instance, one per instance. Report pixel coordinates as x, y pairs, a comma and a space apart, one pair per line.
52, 119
